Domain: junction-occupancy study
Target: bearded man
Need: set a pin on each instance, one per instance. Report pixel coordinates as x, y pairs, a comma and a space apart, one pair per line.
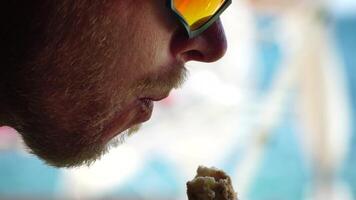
77, 75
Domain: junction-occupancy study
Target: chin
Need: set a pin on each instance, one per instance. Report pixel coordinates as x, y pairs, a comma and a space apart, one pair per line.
72, 149
62, 148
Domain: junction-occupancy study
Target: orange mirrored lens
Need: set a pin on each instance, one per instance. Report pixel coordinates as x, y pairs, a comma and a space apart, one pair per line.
197, 12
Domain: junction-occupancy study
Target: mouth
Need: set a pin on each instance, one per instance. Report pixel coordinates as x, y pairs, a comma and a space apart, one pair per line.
138, 112
145, 110
154, 97
147, 106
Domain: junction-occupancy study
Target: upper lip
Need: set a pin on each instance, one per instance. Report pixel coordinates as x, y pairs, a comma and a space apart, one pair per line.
156, 97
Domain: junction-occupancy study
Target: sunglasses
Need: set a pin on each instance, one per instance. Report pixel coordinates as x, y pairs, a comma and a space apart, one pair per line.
197, 15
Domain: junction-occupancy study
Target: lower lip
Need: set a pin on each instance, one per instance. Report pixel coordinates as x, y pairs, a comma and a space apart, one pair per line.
145, 110
139, 112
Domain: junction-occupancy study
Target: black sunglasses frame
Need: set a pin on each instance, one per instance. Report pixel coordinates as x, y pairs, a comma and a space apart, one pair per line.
206, 25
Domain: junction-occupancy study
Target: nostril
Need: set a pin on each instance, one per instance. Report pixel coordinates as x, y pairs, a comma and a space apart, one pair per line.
193, 55
209, 46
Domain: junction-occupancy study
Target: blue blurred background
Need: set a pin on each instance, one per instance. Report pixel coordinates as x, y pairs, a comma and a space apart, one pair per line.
276, 113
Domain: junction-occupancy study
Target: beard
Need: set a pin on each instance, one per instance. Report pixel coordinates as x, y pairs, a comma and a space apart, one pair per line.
73, 85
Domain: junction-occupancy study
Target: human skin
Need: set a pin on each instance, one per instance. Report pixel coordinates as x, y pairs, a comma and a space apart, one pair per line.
80, 74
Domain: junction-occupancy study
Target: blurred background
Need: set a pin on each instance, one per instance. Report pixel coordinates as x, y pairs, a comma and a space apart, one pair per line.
276, 113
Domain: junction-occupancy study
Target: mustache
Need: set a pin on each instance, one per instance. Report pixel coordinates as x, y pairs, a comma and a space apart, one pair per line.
165, 81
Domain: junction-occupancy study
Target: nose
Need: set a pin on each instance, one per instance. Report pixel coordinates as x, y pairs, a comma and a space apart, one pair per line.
209, 46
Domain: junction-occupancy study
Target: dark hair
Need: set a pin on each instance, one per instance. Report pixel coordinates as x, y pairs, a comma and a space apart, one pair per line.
19, 28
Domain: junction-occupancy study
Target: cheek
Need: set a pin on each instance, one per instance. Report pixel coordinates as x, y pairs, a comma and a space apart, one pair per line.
147, 34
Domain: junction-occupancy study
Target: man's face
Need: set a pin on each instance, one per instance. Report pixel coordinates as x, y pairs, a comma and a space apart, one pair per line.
95, 71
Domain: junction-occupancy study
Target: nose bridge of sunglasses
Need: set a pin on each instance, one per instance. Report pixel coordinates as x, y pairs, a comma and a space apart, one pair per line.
198, 15
196, 12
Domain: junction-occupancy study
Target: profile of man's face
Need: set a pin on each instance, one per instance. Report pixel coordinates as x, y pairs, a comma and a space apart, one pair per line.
92, 72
